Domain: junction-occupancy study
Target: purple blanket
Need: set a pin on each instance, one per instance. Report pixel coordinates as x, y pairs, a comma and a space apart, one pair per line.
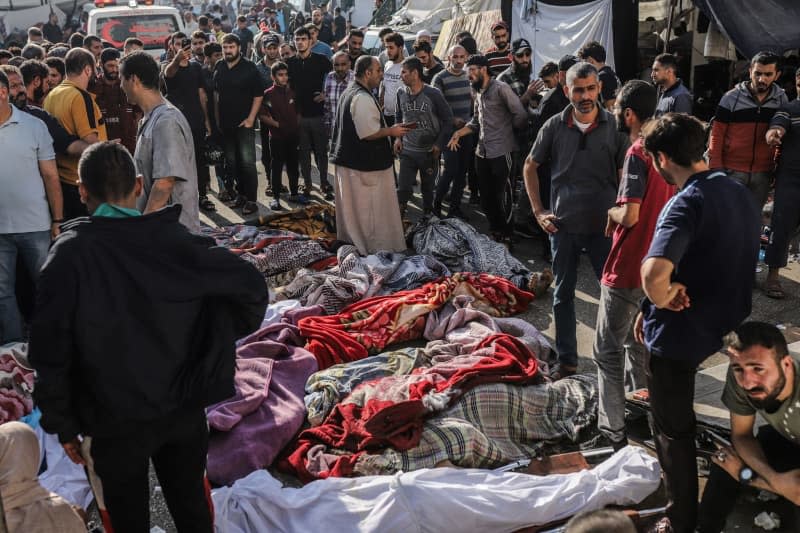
250, 429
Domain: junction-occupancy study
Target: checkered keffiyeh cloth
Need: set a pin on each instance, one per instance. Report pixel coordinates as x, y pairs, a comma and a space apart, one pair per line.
495, 424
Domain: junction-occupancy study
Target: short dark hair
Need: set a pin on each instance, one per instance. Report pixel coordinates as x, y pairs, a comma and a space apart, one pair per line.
363, 64
107, 171
277, 67
76, 40
5, 54
384, 32
241, 18
767, 58
581, 70
209, 49
640, 97
422, 46
33, 31
58, 51
413, 63
4, 79
396, 39
78, 59
668, 61
143, 66
755, 333
302, 31
202, 20
32, 68
109, 54
33, 51
679, 136
470, 45
178, 35
548, 69
594, 50
133, 41
600, 521
355, 32
229, 38
56, 63
463, 33
199, 34
89, 39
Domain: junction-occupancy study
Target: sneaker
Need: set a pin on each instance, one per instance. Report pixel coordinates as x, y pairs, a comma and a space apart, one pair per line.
238, 202
249, 208
225, 196
474, 199
206, 204
275, 205
560, 371
306, 189
301, 199
329, 195
326, 187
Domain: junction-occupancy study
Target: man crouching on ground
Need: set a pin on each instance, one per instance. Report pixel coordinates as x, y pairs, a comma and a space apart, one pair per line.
132, 337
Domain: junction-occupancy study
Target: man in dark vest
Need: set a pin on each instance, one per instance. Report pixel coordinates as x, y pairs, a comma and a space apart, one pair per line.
367, 212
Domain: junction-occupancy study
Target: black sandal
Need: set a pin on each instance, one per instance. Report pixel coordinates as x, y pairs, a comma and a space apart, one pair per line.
206, 204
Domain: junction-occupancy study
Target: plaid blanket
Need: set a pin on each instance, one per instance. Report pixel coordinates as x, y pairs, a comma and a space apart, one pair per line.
494, 424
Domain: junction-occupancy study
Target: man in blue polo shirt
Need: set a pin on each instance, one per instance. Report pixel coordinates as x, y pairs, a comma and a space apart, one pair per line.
698, 279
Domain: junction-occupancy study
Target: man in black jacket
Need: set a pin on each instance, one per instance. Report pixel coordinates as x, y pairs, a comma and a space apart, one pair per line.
133, 336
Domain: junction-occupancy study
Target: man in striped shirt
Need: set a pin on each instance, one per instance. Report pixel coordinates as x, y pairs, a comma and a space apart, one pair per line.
499, 56
454, 85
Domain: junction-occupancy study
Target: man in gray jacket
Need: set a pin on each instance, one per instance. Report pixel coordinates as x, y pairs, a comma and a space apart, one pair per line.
425, 110
497, 111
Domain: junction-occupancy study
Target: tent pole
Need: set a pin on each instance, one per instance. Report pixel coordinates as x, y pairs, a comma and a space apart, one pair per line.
672, 4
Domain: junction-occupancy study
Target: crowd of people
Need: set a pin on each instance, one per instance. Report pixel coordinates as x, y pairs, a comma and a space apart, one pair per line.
570, 156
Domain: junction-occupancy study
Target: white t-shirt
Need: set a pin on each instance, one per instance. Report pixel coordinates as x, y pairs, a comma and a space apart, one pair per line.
391, 83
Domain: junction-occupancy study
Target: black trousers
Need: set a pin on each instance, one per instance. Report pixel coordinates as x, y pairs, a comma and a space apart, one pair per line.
496, 190
785, 219
721, 491
203, 172
266, 150
177, 445
73, 207
284, 152
671, 386
240, 160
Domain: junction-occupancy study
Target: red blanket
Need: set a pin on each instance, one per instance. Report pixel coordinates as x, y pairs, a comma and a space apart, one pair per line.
390, 412
367, 327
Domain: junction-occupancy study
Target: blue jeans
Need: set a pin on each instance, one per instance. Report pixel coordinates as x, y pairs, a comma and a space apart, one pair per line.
566, 249
32, 249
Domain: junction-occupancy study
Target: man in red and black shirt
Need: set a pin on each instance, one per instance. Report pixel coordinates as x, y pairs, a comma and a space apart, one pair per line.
631, 222
499, 56
121, 117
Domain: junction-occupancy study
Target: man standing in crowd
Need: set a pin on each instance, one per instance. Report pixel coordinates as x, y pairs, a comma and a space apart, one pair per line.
51, 30
763, 379
497, 112
499, 56
355, 42
423, 106
323, 26
279, 114
692, 260
673, 96
199, 40
244, 34
204, 25
93, 44
367, 212
641, 195
315, 45
55, 71
76, 110
307, 72
430, 67
455, 87
586, 154
595, 54
549, 75
34, 75
737, 143
518, 76
185, 85
30, 205
164, 145
339, 26
175, 286
395, 46
19, 93
271, 43
239, 93
121, 118
335, 84
132, 44
784, 131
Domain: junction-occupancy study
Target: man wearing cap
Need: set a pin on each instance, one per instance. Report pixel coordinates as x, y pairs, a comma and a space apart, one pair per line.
497, 111
499, 56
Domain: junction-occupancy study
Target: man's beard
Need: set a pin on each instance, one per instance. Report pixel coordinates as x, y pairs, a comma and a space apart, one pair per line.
110, 76
523, 73
230, 58
770, 402
585, 106
478, 83
664, 174
21, 101
621, 126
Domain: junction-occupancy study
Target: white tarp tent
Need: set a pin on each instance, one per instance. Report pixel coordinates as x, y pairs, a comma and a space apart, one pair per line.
431, 14
555, 31
22, 19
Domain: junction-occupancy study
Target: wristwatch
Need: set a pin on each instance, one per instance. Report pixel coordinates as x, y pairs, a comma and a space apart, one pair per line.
746, 475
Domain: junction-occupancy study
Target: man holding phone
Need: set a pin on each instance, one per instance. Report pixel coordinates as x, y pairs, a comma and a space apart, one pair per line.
424, 110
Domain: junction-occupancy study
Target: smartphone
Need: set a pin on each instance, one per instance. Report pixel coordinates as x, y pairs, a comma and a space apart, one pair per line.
186, 43
410, 125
